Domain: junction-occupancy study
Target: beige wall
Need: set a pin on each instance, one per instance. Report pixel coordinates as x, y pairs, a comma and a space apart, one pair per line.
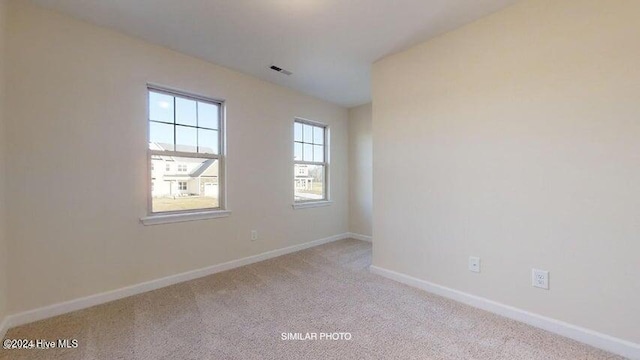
3, 175
77, 125
516, 139
360, 170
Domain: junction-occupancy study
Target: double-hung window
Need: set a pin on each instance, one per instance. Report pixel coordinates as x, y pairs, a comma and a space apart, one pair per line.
186, 141
311, 161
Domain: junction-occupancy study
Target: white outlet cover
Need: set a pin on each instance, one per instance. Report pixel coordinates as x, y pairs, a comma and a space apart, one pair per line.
254, 235
474, 264
540, 278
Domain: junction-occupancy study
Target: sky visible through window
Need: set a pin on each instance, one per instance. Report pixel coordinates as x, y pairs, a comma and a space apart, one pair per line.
183, 124
308, 142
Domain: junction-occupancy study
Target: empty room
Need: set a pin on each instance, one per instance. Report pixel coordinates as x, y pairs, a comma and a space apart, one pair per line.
320, 179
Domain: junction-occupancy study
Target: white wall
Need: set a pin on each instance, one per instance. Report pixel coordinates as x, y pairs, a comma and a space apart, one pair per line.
360, 170
77, 159
516, 139
4, 248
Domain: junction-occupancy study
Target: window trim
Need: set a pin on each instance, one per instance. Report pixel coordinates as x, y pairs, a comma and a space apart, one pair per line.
221, 210
183, 217
326, 200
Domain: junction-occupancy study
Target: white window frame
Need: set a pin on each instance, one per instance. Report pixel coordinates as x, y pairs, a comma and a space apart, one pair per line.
326, 200
154, 218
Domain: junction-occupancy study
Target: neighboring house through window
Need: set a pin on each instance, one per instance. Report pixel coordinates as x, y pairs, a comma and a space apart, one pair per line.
311, 165
186, 131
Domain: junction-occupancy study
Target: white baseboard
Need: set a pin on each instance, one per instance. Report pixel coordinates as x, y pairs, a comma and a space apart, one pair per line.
4, 327
590, 337
97, 299
360, 237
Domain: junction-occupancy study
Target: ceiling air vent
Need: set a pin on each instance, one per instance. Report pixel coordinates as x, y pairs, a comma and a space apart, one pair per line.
280, 70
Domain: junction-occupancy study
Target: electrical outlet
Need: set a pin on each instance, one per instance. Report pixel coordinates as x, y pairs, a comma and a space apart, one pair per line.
474, 264
540, 278
254, 235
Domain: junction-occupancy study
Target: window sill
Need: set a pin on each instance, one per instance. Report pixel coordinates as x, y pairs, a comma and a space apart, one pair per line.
191, 216
312, 204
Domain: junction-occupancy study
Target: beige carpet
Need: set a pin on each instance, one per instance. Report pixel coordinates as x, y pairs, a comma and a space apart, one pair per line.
240, 314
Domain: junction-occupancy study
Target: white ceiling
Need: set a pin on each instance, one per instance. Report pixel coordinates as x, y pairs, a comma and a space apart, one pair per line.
329, 45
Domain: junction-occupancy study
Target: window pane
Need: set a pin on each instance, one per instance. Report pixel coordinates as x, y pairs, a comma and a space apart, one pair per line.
318, 153
318, 135
308, 152
186, 139
297, 151
208, 115
309, 182
208, 141
307, 133
185, 112
297, 131
160, 136
197, 188
160, 107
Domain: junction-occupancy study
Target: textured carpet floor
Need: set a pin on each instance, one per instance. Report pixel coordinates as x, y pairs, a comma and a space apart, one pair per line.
241, 314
